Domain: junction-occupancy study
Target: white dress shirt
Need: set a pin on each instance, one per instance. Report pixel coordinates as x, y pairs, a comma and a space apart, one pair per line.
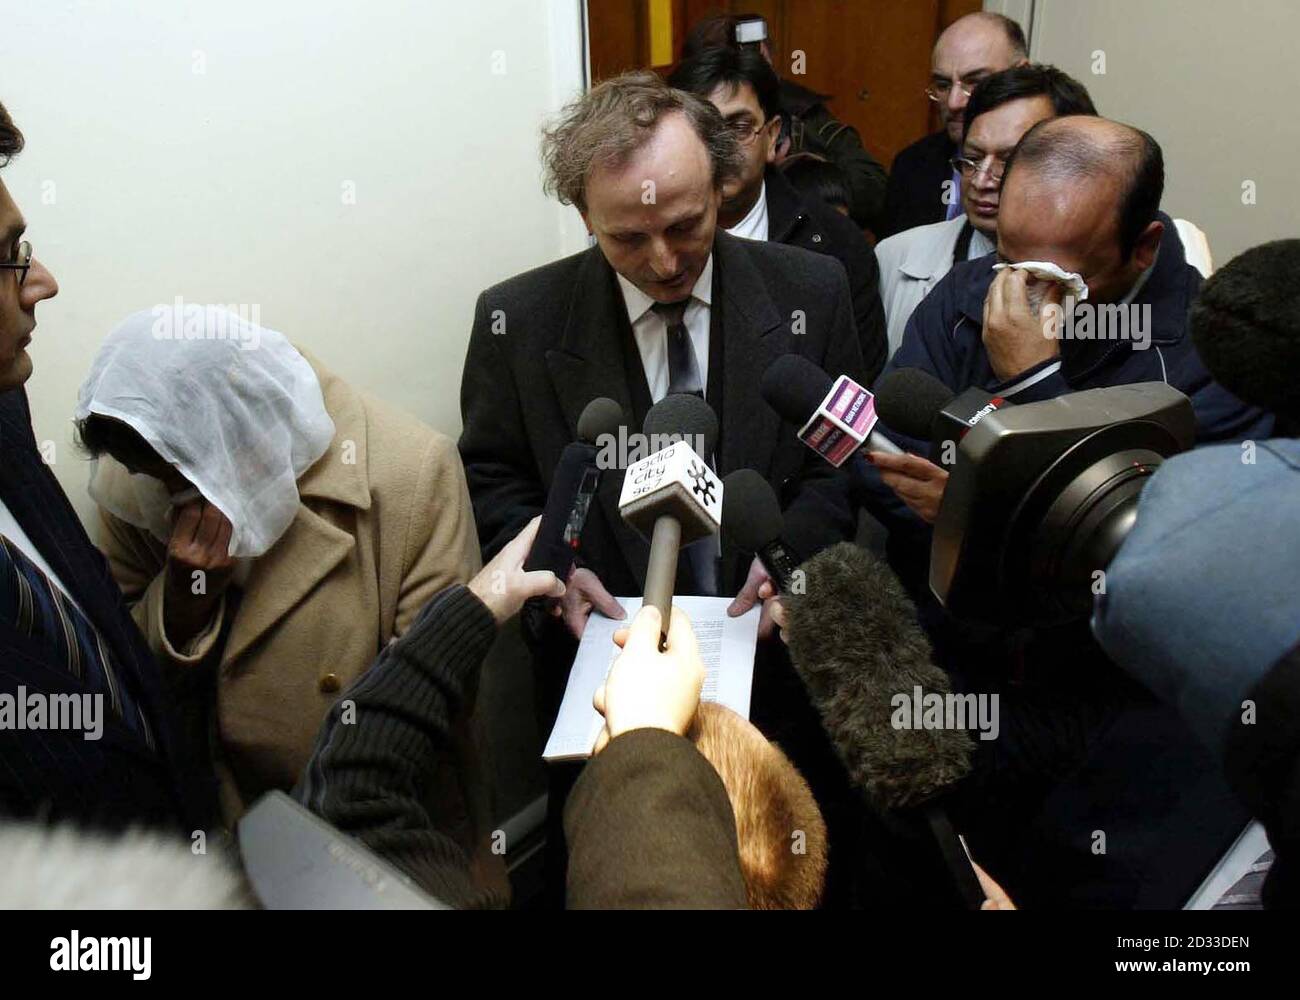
12, 530
651, 331
754, 225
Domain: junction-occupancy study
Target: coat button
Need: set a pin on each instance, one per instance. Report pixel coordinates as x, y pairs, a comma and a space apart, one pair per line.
329, 684
817, 237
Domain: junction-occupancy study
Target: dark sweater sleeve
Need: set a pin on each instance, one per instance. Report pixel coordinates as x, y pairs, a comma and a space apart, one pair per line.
390, 732
649, 826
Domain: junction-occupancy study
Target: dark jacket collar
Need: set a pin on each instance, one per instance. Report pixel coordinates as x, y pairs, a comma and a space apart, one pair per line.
785, 206
798, 99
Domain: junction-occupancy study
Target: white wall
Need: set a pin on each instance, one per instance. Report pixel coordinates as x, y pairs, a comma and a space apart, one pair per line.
1213, 82
204, 149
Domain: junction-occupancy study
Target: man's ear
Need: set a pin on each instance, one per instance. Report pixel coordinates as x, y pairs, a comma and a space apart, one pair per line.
773, 138
1148, 243
586, 221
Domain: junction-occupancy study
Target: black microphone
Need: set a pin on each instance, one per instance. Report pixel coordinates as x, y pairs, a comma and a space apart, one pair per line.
572, 489
836, 417
855, 642
673, 497
915, 403
752, 522
683, 416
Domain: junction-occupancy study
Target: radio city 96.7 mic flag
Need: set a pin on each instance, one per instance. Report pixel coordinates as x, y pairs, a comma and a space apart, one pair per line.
572, 489
752, 521
856, 644
673, 498
914, 402
836, 417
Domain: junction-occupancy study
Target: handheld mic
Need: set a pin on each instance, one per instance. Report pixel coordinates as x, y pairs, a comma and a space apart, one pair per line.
572, 489
843, 413
915, 403
752, 521
673, 498
855, 642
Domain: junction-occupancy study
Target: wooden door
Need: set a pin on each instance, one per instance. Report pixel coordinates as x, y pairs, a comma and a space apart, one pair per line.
871, 56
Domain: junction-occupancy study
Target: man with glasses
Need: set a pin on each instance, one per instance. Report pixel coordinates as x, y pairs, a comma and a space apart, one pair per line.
807, 124
84, 734
923, 186
1002, 109
759, 203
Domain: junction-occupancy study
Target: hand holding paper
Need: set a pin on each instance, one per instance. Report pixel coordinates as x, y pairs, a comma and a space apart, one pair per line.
647, 688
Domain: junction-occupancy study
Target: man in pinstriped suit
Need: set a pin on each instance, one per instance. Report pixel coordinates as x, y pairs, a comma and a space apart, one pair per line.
64, 629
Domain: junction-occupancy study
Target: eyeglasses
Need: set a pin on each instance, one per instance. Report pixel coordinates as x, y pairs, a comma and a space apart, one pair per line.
996, 166
940, 91
744, 132
22, 264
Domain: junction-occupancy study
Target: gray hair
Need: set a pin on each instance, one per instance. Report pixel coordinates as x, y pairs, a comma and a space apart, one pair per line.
616, 118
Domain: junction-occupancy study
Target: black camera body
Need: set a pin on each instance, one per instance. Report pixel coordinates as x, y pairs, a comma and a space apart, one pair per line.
1041, 497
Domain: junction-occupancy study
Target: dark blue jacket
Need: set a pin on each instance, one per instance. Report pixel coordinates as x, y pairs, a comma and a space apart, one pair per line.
1082, 748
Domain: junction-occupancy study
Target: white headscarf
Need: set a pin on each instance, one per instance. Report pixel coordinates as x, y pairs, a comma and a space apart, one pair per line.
232, 405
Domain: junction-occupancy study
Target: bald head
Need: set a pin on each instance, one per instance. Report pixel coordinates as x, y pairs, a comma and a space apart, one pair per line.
985, 29
1084, 192
970, 49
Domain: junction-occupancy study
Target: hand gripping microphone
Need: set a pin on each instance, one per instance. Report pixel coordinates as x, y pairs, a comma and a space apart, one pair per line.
856, 644
572, 489
914, 402
673, 498
836, 417
752, 522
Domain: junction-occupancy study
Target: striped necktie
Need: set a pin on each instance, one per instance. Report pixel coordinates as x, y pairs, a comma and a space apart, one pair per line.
1247, 892
42, 611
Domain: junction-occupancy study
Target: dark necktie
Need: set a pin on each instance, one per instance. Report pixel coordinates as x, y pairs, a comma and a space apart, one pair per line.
40, 610
683, 369
684, 376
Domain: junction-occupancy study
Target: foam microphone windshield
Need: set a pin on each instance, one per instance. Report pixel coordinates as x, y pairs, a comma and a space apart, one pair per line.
909, 399
682, 416
601, 417
794, 387
854, 640
752, 522
915, 403
573, 487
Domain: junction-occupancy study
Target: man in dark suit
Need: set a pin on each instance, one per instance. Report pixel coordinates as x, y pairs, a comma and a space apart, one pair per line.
923, 186
663, 301
66, 637
761, 204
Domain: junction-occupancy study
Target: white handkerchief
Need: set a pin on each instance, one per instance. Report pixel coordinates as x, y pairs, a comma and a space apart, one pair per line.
1048, 271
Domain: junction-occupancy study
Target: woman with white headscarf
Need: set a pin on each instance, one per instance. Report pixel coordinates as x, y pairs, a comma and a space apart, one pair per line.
272, 527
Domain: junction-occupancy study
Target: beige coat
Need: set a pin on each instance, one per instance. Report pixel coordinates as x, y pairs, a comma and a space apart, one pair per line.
384, 523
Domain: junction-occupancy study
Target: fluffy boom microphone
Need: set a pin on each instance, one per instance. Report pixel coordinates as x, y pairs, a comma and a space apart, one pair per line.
855, 643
